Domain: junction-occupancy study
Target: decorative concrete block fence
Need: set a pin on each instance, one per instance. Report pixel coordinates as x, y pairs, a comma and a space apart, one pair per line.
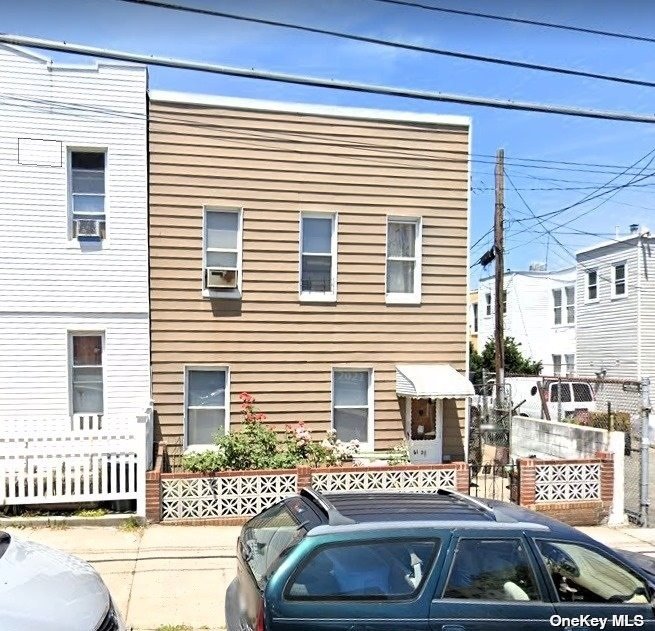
579, 492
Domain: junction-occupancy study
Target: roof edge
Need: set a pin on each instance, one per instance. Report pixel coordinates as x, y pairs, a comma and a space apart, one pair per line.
290, 107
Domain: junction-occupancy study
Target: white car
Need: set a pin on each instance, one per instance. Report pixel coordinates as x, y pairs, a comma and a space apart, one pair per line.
42, 589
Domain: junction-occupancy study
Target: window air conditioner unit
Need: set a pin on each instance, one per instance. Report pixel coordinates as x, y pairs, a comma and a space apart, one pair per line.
220, 278
88, 228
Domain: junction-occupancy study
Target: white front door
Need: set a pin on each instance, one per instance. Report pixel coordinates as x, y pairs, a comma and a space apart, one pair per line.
424, 425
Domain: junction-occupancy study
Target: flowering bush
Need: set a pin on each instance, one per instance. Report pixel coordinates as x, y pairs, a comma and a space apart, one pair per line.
399, 454
257, 446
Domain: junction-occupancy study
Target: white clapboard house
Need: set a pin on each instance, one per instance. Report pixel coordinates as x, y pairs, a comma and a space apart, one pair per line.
74, 320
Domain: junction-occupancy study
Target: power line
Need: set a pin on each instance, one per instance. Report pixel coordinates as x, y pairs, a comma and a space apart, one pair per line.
503, 18
278, 77
393, 44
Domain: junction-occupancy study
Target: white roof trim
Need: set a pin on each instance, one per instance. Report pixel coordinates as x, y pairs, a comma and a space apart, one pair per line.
308, 108
26, 53
624, 239
432, 381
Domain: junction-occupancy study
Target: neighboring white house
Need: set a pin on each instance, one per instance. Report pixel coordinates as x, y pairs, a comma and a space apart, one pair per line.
540, 314
616, 307
74, 311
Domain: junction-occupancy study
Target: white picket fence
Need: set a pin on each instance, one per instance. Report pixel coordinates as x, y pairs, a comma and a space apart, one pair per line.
45, 464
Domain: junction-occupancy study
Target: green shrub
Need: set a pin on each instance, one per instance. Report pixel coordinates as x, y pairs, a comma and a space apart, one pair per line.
399, 454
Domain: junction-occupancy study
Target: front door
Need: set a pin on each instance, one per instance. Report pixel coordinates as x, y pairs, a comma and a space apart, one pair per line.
425, 430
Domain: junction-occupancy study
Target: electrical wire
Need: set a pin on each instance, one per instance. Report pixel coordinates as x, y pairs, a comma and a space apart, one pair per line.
318, 82
527, 22
393, 44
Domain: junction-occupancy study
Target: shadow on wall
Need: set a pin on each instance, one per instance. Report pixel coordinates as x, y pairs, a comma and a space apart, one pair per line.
226, 308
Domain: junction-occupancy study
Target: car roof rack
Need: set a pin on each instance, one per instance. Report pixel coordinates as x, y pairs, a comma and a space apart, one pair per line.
334, 517
474, 502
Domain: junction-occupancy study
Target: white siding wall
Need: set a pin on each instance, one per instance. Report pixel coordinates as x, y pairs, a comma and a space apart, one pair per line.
607, 329
530, 316
49, 284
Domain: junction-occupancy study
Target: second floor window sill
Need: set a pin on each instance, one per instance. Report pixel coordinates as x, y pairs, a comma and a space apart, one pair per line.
403, 299
308, 296
217, 294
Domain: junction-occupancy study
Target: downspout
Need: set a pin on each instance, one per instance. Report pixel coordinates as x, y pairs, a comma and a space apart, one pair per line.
638, 290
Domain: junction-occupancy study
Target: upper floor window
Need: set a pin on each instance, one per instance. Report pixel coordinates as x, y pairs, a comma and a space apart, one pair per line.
222, 253
475, 317
592, 285
619, 275
87, 194
352, 402
86, 374
557, 364
318, 257
570, 365
207, 403
403, 260
564, 298
487, 304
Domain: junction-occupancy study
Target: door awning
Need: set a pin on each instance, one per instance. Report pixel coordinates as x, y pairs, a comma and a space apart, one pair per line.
432, 381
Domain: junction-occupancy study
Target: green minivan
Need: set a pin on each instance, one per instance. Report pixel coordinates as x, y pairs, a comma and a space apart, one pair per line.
392, 561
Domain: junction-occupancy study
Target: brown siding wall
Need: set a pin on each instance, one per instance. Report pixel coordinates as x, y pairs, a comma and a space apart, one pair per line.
274, 165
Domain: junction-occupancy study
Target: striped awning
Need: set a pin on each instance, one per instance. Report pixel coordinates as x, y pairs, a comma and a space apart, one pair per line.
432, 381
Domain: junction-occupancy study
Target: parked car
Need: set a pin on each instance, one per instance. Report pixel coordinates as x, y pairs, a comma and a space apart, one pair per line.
445, 561
42, 589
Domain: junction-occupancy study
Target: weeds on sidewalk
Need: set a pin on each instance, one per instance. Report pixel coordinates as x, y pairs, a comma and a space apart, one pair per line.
91, 512
175, 627
134, 524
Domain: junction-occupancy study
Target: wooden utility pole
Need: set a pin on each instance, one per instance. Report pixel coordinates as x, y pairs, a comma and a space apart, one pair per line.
499, 246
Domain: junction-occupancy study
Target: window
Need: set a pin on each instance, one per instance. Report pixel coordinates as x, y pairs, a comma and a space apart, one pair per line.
207, 405
557, 301
318, 257
582, 575
403, 260
475, 317
364, 571
504, 301
565, 390
265, 537
86, 374
570, 304
87, 193
557, 364
491, 570
351, 405
582, 392
570, 364
487, 304
222, 256
619, 288
592, 285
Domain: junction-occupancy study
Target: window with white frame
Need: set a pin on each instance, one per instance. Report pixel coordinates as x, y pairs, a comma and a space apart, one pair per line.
86, 373
87, 193
557, 365
403, 283
570, 365
318, 256
222, 254
557, 306
592, 285
569, 292
619, 287
352, 400
475, 317
487, 304
206, 406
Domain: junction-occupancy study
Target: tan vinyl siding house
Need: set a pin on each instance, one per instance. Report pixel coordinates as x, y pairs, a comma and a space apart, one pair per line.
273, 165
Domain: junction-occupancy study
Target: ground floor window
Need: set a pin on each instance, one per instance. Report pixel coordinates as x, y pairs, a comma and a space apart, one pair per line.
352, 402
86, 373
207, 400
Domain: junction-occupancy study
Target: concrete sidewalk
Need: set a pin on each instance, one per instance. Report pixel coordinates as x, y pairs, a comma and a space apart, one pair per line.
177, 575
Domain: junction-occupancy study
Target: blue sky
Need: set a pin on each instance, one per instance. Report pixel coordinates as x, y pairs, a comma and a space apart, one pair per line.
114, 24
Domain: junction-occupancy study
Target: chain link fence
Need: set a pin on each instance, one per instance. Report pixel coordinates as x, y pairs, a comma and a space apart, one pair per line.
610, 404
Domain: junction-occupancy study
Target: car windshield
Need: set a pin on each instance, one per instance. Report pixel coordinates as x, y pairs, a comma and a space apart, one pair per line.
265, 539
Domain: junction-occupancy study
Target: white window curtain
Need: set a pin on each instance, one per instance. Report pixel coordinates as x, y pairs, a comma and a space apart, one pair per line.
206, 405
222, 239
401, 253
351, 404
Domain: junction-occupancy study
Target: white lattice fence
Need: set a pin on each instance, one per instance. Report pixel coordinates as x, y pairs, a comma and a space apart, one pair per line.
420, 480
566, 482
225, 496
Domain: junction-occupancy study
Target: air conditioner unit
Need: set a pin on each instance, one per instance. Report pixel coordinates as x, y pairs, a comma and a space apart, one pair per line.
220, 278
88, 228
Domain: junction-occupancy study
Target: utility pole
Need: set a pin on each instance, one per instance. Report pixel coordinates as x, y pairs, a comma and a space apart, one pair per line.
499, 247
